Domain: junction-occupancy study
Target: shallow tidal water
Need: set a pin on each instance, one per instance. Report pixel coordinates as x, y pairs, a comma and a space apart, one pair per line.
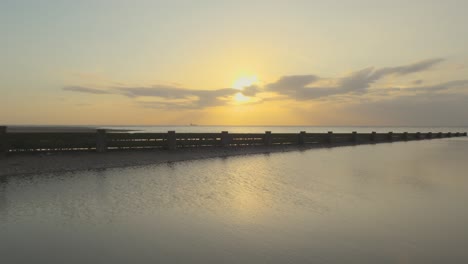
404, 202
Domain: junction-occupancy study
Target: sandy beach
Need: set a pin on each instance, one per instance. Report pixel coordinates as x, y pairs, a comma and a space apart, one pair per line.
22, 164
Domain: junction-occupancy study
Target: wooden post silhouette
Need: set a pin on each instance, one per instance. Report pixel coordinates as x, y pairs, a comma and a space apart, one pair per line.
171, 140
330, 137
267, 139
354, 137
224, 138
418, 135
373, 136
101, 142
301, 139
390, 136
405, 136
3, 142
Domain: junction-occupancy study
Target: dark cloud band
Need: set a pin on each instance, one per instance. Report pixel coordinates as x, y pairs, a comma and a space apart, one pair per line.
293, 87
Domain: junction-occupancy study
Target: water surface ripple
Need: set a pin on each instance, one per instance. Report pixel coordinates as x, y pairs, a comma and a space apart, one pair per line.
387, 203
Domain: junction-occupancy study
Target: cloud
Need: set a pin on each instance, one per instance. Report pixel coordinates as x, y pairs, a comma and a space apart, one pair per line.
292, 83
81, 89
191, 98
163, 91
301, 87
251, 90
407, 69
358, 87
443, 86
172, 96
168, 105
457, 85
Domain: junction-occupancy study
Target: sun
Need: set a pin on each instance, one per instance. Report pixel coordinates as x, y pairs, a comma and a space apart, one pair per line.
240, 98
244, 81
240, 84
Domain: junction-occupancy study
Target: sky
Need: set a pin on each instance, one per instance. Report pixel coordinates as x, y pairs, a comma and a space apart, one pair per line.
116, 62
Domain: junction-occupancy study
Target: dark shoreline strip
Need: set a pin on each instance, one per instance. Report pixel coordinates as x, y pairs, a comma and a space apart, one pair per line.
56, 162
103, 140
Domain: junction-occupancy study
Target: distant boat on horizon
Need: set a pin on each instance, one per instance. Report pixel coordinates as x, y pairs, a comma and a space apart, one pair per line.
192, 124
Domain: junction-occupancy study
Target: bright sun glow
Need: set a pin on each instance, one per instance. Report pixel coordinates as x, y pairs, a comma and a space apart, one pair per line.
244, 81
240, 84
240, 98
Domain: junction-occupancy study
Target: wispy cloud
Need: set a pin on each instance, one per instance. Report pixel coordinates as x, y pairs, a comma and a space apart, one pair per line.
81, 89
442, 86
292, 83
301, 87
359, 86
251, 90
172, 97
407, 69
192, 98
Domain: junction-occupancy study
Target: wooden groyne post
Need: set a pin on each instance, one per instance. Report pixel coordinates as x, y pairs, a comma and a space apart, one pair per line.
373, 136
267, 140
3, 142
405, 136
171, 140
224, 138
354, 137
330, 137
101, 140
301, 138
418, 135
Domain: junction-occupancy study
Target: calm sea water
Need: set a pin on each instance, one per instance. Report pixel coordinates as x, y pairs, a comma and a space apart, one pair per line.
403, 202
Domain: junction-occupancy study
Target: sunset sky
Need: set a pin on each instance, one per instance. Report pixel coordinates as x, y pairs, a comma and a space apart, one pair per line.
118, 62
